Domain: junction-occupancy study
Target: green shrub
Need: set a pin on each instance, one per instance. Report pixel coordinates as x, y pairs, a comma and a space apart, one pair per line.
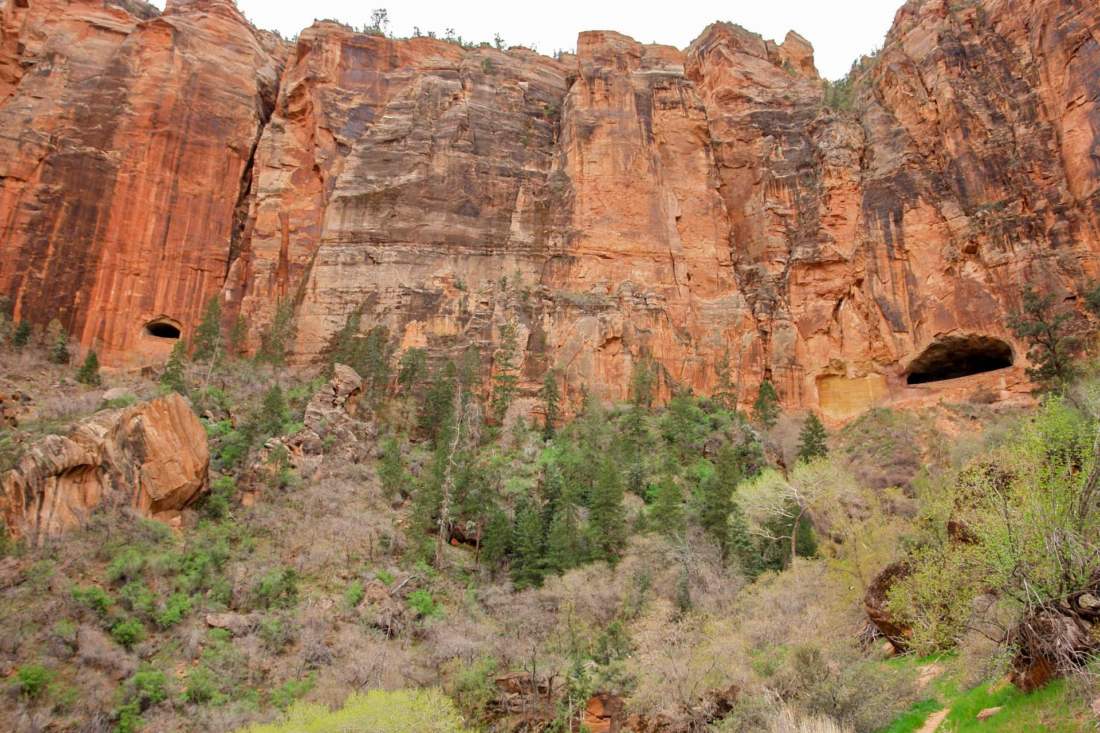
126, 565
292, 691
128, 718
148, 686
137, 597
92, 597
202, 686
378, 711
422, 602
354, 594
31, 679
385, 577
175, 610
128, 632
276, 633
218, 501
278, 588
474, 686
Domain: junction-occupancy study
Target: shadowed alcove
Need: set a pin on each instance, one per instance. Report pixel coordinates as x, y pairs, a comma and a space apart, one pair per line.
952, 357
163, 328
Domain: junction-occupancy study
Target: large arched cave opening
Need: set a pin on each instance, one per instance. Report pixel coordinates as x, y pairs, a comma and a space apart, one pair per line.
163, 328
952, 357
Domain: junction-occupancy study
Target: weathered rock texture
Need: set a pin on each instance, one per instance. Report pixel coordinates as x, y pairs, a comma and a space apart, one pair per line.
704, 207
152, 457
126, 141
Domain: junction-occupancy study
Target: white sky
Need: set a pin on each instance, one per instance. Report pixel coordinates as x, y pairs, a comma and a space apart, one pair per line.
840, 30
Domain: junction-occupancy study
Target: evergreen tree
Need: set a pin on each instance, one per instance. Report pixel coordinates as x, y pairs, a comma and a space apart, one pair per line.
742, 549
412, 368
438, 406
527, 547
563, 546
1052, 337
726, 392
391, 469
766, 408
238, 336
550, 399
273, 416
497, 540
276, 340
89, 370
667, 513
505, 376
172, 378
643, 382
717, 497
813, 440
59, 343
22, 335
206, 346
606, 519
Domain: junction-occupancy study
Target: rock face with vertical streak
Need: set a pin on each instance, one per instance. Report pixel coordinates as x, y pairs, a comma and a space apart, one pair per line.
716, 208
126, 140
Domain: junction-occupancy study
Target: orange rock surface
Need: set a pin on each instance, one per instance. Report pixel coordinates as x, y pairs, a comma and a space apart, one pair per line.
152, 457
706, 207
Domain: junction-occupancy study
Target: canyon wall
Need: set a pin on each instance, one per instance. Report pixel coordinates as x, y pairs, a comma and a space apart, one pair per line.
704, 207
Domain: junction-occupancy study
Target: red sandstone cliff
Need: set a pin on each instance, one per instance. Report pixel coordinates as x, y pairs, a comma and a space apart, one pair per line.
630, 199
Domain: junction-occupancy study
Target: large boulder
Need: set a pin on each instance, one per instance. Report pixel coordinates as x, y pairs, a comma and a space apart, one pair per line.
151, 456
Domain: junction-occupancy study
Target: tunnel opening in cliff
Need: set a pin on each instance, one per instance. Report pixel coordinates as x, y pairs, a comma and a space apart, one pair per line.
163, 329
953, 357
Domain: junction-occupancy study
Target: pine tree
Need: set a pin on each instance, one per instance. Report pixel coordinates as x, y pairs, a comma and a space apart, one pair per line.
606, 520
273, 415
813, 440
412, 368
276, 340
550, 399
505, 376
563, 546
89, 370
206, 346
59, 342
527, 547
238, 335
643, 382
667, 513
391, 469
726, 392
766, 408
172, 378
22, 335
717, 497
497, 541
742, 549
438, 406
1052, 337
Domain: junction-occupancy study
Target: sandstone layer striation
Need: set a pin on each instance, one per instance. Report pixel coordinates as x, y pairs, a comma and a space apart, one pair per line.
720, 209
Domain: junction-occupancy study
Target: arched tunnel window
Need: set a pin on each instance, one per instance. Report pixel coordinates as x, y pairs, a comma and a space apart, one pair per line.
163, 329
953, 357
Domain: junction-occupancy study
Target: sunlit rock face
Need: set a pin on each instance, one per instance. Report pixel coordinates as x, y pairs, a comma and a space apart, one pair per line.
704, 207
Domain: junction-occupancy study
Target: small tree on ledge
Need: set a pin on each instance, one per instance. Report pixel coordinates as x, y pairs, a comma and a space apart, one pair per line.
89, 370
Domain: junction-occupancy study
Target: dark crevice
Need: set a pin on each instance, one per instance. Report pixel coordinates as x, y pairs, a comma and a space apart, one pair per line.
953, 357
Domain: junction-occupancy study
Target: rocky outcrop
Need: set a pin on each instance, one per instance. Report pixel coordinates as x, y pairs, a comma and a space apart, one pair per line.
876, 602
152, 457
719, 209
